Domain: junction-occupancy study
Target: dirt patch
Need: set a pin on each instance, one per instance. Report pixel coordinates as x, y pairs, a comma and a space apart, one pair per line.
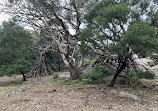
45, 95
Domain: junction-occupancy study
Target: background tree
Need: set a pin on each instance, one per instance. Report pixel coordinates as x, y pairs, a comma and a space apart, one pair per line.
55, 61
16, 51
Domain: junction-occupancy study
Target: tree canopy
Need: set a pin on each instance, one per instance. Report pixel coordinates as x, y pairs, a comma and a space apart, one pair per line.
16, 51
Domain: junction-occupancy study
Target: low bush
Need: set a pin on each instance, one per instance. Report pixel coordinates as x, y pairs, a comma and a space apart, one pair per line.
140, 75
10, 83
155, 57
55, 76
145, 75
20, 66
98, 74
87, 62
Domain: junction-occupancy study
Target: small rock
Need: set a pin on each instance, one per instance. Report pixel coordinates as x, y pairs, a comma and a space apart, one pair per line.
23, 90
88, 70
65, 75
124, 94
80, 88
51, 91
13, 92
85, 79
4, 108
7, 95
152, 109
113, 91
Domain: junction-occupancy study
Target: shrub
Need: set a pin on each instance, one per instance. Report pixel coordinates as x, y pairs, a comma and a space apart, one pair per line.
145, 75
3, 70
10, 83
140, 75
20, 66
131, 73
55, 76
155, 57
98, 74
87, 62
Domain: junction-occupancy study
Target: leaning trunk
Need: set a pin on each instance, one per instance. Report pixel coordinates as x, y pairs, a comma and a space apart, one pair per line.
120, 68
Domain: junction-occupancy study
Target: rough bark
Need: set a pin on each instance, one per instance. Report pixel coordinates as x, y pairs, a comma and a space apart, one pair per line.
74, 72
72, 62
74, 69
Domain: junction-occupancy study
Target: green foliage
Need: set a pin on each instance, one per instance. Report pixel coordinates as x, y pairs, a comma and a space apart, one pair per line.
10, 83
3, 70
145, 75
141, 37
117, 48
55, 76
85, 37
18, 67
109, 11
68, 82
114, 13
108, 19
154, 19
140, 75
16, 51
95, 11
131, 73
98, 74
139, 28
100, 20
155, 57
87, 62
56, 60
122, 23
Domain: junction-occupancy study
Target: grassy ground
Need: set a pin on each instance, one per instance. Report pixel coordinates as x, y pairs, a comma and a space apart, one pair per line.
50, 94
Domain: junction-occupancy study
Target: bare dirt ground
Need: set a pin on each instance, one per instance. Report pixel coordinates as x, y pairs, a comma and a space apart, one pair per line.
53, 95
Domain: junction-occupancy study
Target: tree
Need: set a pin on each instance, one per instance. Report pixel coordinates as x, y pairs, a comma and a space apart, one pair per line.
16, 51
141, 37
61, 22
119, 28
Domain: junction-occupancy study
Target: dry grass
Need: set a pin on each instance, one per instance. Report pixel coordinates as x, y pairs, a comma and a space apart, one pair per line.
53, 95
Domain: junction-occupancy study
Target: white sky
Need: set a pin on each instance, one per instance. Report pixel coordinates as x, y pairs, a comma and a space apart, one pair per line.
5, 17
2, 15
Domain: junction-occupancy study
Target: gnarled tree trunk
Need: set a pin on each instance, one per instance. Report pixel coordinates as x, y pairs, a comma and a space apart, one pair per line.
75, 72
73, 66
